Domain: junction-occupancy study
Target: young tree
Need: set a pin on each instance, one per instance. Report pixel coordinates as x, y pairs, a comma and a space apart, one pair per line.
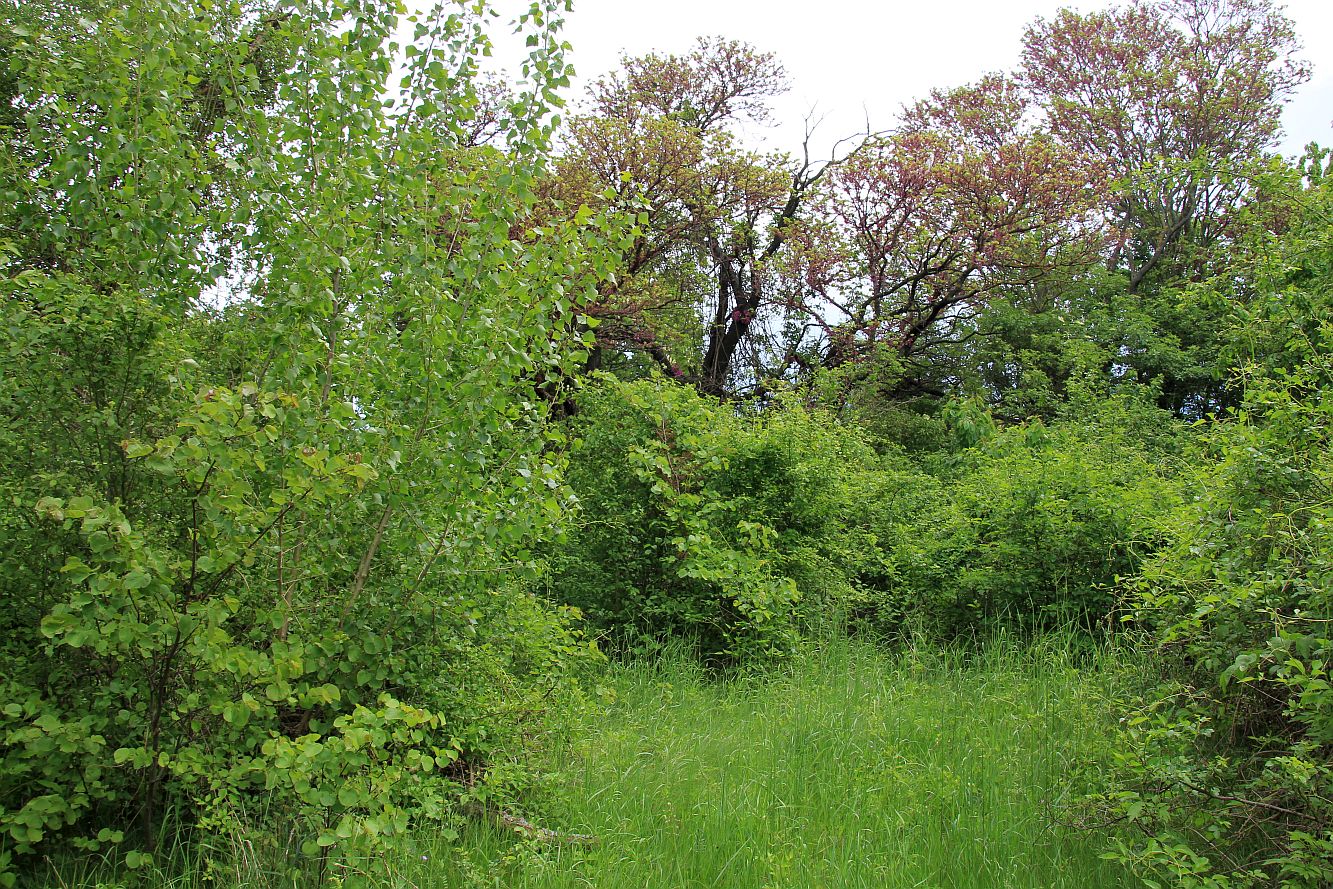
280, 546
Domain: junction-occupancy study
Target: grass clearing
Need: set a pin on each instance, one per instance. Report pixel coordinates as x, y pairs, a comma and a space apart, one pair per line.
850, 768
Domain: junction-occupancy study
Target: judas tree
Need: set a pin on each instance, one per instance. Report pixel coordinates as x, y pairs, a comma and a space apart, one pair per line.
1174, 97
661, 135
913, 235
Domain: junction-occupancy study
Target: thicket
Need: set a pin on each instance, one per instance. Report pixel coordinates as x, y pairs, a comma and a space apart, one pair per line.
733, 528
1206, 539
742, 528
1030, 527
269, 394
1226, 767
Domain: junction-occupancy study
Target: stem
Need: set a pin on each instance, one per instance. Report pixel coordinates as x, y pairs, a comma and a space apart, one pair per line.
363, 569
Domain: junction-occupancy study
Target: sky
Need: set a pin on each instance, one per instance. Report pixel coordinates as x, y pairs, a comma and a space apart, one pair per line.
851, 58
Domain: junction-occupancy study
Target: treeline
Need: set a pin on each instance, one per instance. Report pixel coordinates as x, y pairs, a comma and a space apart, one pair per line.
355, 403
1003, 238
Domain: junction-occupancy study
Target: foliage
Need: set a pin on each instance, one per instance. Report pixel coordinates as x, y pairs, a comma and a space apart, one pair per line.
1227, 768
848, 766
735, 531
283, 546
1028, 527
287, 308
662, 135
1129, 139
913, 235
1175, 98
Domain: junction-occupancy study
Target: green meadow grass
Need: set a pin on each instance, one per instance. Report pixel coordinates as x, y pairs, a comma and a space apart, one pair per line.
852, 768
848, 768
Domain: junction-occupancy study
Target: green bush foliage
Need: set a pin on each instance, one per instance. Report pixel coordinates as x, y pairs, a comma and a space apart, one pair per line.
284, 547
739, 529
1026, 528
1226, 767
736, 530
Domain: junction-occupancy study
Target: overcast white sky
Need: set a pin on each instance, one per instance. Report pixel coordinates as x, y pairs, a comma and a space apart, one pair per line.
846, 55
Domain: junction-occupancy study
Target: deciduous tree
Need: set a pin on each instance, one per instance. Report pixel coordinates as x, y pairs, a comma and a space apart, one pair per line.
662, 133
913, 235
1175, 97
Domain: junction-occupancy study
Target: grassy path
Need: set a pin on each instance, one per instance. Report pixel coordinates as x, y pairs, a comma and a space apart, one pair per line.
851, 768
855, 769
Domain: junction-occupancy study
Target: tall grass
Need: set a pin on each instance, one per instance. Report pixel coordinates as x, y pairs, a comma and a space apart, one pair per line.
847, 768
851, 768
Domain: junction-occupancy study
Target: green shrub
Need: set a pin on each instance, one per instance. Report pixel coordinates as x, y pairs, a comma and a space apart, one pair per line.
1030, 527
695, 514
1226, 766
698, 520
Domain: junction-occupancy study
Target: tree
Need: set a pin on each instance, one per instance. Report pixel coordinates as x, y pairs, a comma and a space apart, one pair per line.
659, 134
1175, 98
1179, 100
911, 237
276, 467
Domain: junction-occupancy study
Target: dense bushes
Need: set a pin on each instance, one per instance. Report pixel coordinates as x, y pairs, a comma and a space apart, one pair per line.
738, 529
283, 515
1227, 765
1030, 527
701, 521
281, 550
